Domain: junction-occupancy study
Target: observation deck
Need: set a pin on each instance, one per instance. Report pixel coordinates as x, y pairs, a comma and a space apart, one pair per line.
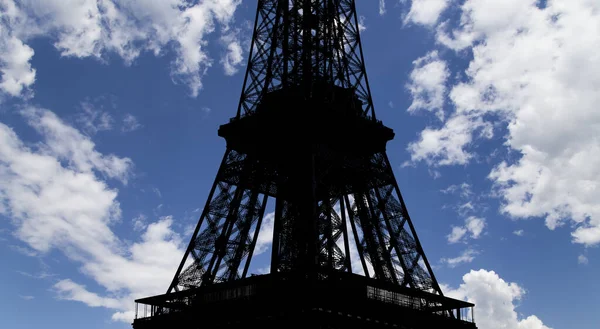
289, 301
287, 122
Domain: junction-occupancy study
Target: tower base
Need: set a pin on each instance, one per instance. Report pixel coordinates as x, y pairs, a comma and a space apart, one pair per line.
291, 301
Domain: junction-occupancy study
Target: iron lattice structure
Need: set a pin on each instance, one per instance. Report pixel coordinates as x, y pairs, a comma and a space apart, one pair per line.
306, 136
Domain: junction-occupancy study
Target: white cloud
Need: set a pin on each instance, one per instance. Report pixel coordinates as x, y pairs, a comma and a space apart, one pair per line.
464, 190
475, 226
56, 198
361, 23
382, 7
427, 84
233, 57
95, 28
465, 208
582, 259
519, 232
458, 232
467, 256
265, 235
17, 73
26, 297
470, 203
139, 222
446, 145
70, 290
264, 270
535, 71
68, 144
494, 301
94, 120
426, 12
24, 250
145, 268
130, 123
42, 274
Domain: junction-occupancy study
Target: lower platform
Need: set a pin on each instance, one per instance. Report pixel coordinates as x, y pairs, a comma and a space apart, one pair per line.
277, 301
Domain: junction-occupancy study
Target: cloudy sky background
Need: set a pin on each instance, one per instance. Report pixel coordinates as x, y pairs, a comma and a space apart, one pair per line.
108, 148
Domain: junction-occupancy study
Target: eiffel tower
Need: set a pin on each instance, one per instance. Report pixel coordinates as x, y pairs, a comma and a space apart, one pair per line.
344, 251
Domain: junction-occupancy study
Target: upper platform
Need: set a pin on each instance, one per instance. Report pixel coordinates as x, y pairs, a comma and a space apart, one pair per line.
286, 122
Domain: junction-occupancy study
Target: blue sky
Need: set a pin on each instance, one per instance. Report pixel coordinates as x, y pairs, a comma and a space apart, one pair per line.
108, 147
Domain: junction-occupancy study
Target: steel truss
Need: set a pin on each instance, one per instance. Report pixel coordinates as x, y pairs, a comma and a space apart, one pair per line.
300, 41
353, 218
367, 216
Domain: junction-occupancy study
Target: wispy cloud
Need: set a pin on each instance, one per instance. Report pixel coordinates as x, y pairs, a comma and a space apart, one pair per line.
24, 250
94, 118
466, 256
157, 192
40, 275
130, 123
233, 56
382, 7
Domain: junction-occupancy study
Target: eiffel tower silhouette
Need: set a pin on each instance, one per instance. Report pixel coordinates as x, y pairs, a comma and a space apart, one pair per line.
344, 251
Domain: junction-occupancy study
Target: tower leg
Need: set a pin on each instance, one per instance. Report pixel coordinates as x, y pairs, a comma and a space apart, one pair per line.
228, 227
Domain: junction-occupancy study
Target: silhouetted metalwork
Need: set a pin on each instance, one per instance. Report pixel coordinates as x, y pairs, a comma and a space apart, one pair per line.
306, 136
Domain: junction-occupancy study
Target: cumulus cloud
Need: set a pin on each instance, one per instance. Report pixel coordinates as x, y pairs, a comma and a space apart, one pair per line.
17, 73
494, 300
458, 232
475, 226
95, 28
534, 71
427, 84
57, 195
446, 145
426, 12
519, 232
582, 259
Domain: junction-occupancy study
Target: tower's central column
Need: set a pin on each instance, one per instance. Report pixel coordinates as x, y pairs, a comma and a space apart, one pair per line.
307, 46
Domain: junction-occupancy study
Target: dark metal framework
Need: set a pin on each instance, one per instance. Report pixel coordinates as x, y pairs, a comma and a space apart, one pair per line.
306, 136
290, 49
298, 41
